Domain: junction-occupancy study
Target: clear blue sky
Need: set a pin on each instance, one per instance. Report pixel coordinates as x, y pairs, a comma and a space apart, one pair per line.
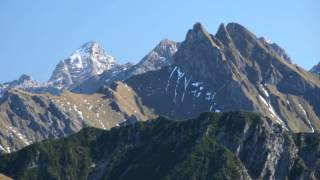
36, 34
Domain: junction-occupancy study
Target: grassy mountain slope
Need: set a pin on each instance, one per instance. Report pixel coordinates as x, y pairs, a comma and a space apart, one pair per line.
26, 118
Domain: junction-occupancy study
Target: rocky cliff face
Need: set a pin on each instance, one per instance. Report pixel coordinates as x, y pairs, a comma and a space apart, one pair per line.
89, 60
232, 70
232, 145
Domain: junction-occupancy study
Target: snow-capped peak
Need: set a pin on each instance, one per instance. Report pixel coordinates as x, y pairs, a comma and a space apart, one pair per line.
91, 53
87, 61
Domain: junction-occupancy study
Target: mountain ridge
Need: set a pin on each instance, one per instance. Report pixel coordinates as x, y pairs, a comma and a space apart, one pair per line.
233, 145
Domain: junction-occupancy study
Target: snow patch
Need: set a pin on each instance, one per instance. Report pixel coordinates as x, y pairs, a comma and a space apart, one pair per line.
75, 108
196, 84
288, 102
174, 69
23, 138
306, 116
272, 111
180, 75
186, 83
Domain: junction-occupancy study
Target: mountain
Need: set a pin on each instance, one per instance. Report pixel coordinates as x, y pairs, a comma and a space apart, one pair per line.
161, 56
24, 82
234, 145
231, 70
316, 69
26, 117
87, 61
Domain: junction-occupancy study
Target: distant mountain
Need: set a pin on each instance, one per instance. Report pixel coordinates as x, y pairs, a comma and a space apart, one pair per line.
161, 56
233, 145
316, 69
87, 61
232, 70
24, 82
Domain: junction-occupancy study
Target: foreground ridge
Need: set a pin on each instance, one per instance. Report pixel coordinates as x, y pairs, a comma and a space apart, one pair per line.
233, 145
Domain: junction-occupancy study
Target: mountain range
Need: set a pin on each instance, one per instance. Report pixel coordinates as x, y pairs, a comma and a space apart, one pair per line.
232, 71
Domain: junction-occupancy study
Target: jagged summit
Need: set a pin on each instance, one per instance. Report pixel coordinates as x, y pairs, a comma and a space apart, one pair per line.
166, 46
89, 60
198, 32
223, 35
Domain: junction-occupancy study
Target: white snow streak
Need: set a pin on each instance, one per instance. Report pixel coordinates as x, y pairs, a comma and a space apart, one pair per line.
306, 116
174, 69
180, 75
186, 83
273, 113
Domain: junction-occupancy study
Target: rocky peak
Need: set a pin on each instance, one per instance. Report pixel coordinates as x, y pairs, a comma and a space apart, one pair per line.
160, 56
166, 47
200, 55
223, 35
24, 81
235, 28
316, 69
87, 61
243, 39
90, 57
198, 33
